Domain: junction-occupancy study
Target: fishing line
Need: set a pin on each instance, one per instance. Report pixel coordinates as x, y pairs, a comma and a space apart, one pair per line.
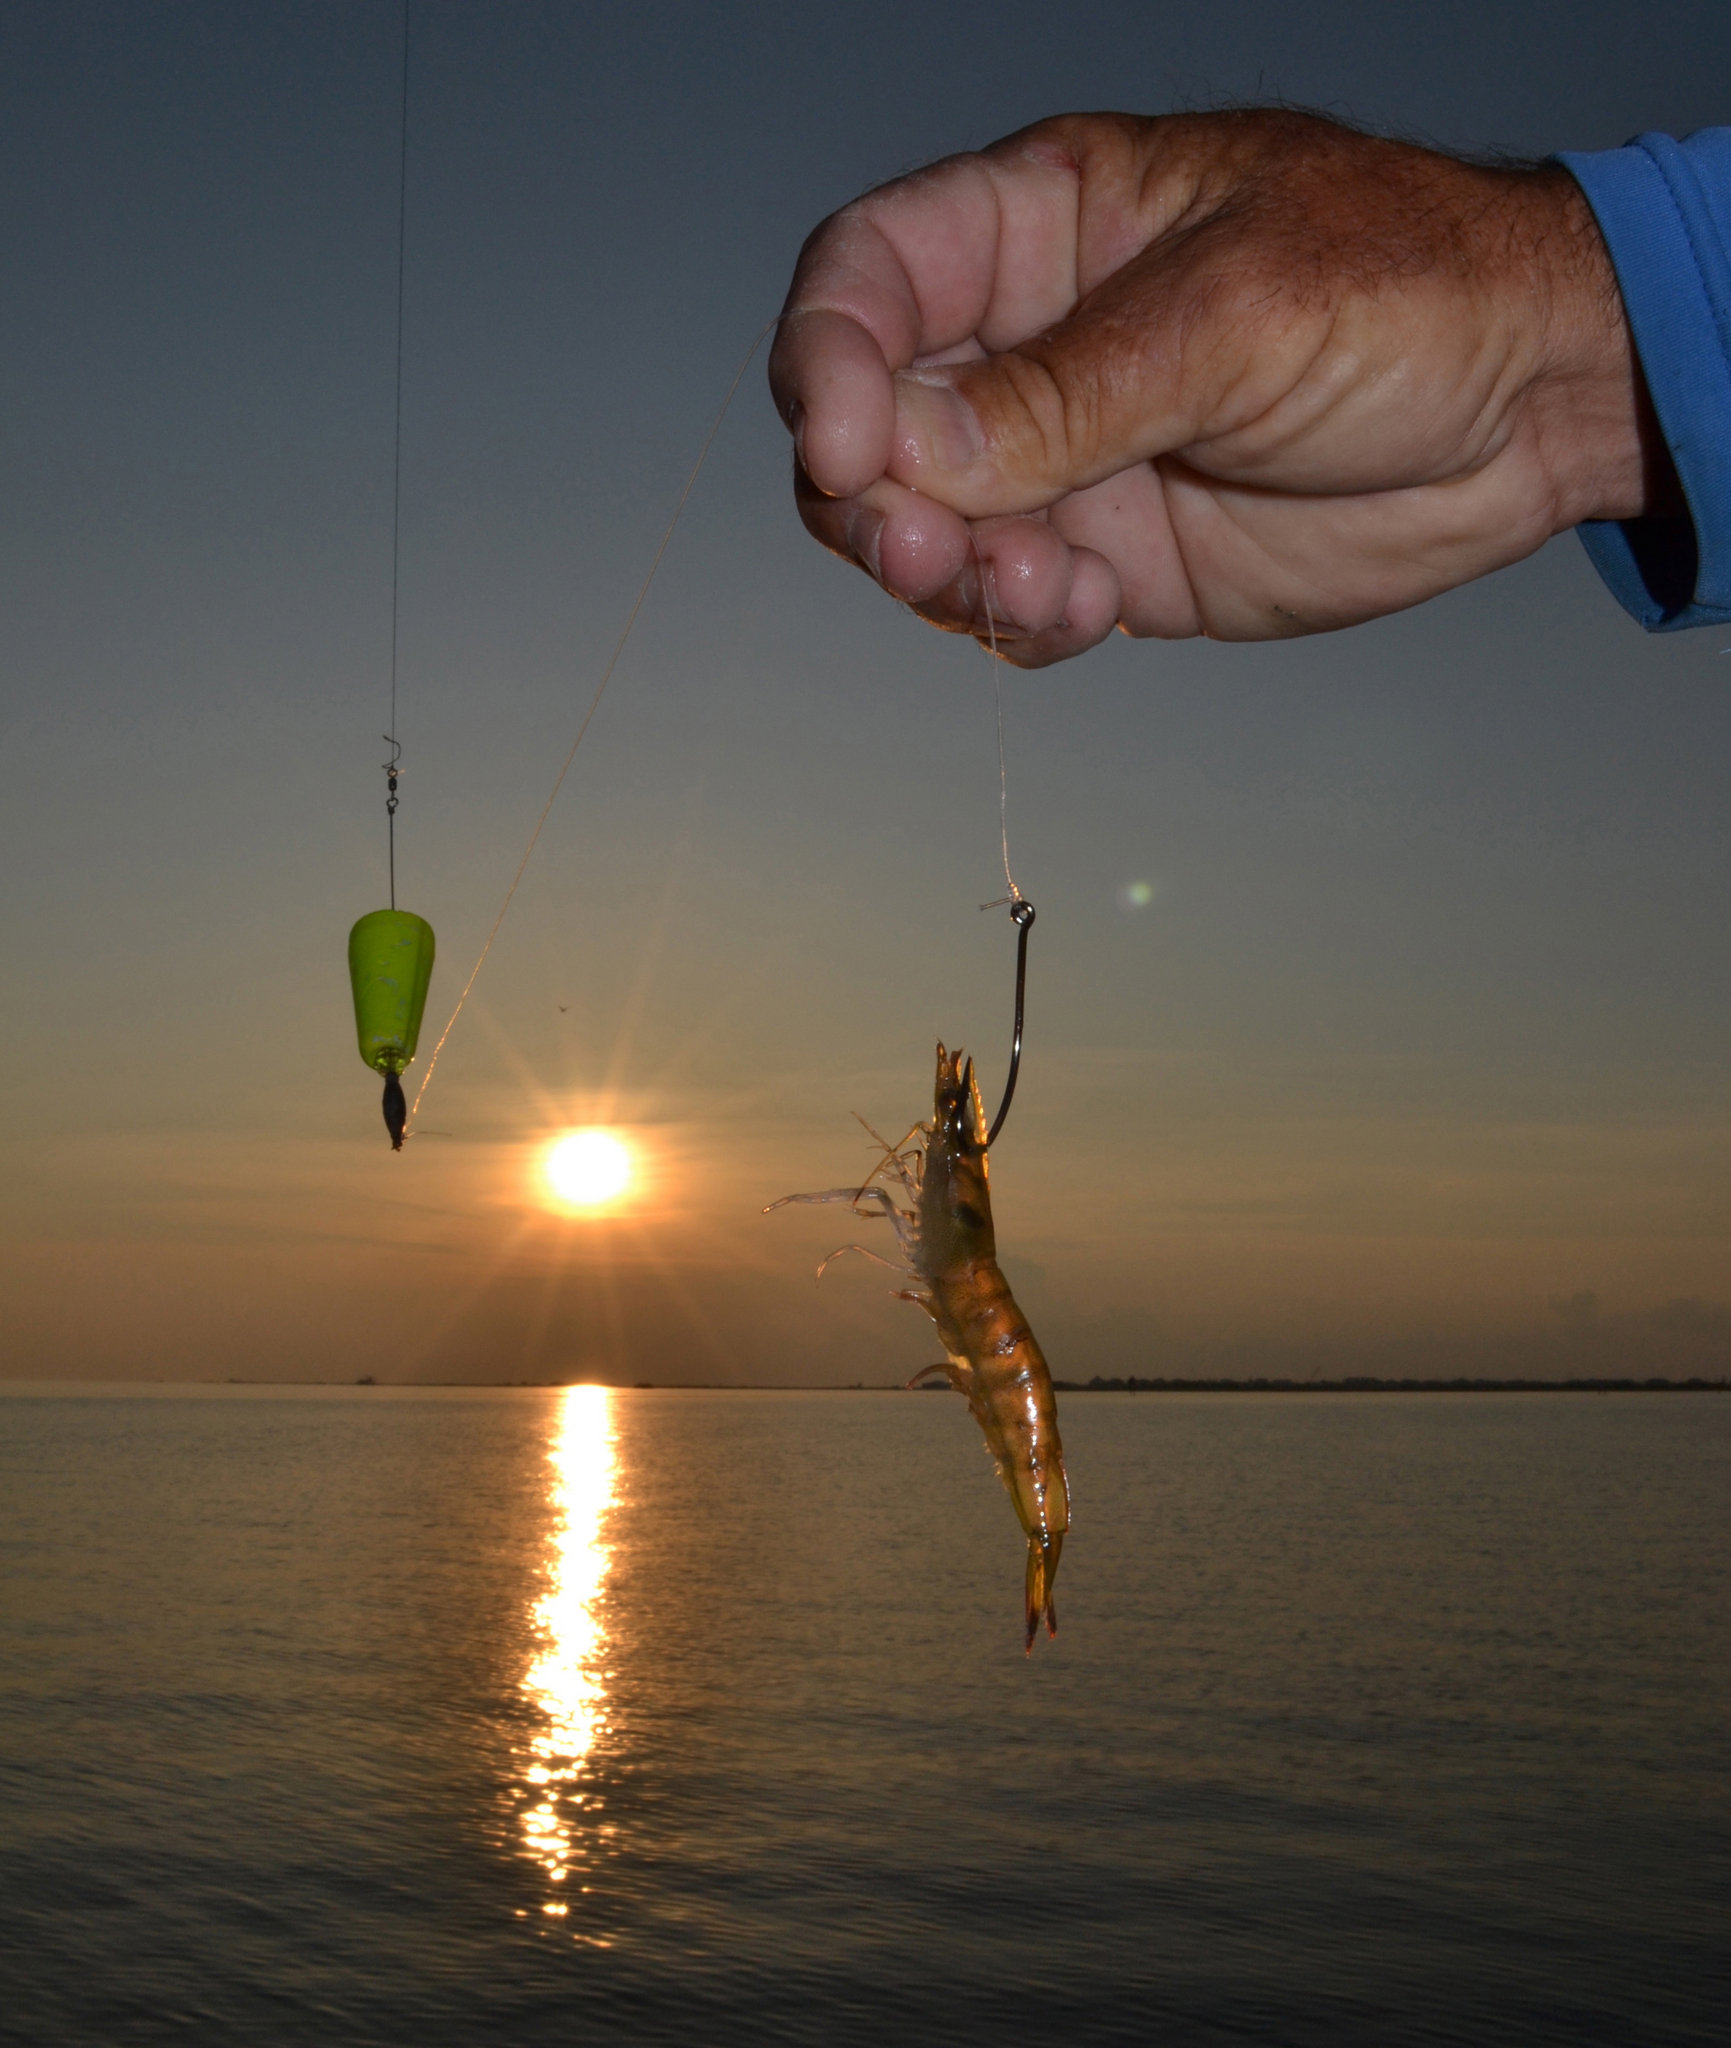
594, 705
1015, 895
391, 769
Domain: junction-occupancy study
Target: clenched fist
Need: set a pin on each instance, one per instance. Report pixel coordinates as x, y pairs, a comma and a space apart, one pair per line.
1245, 374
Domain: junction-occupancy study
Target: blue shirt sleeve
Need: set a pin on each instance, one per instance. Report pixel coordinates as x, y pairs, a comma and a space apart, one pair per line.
1664, 208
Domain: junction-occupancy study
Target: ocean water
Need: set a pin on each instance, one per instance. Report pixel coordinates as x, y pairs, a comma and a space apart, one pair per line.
416, 1717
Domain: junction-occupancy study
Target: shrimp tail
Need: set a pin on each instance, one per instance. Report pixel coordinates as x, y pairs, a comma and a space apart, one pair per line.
1043, 1554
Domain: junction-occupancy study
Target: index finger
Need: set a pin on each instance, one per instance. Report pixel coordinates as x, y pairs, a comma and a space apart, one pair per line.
980, 248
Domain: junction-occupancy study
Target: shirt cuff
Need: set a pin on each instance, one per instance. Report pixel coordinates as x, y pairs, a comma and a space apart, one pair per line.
1664, 208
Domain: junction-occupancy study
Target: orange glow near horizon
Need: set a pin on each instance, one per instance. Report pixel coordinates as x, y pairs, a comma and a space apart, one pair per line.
587, 1169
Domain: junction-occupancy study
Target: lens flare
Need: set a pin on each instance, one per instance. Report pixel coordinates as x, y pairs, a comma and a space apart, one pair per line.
585, 1169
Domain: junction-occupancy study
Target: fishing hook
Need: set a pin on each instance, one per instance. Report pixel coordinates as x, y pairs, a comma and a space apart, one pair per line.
1022, 912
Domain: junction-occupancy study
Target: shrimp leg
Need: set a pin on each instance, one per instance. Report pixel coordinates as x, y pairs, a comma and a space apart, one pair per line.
865, 1252
958, 1375
853, 1196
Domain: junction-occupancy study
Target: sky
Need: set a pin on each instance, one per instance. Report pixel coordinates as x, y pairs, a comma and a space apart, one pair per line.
1414, 1060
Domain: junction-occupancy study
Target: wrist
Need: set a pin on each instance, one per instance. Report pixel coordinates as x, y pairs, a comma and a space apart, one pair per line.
1598, 439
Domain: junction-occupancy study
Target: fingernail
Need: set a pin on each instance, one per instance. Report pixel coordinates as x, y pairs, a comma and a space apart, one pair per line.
935, 422
865, 529
977, 594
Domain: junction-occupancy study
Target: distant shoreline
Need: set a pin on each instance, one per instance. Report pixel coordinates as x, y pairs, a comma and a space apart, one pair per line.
1364, 1385
1133, 1384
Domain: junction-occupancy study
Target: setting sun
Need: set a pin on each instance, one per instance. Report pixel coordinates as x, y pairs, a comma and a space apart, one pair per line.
587, 1168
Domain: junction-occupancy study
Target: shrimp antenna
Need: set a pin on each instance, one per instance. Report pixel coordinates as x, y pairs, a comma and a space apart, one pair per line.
608, 667
1022, 913
895, 1160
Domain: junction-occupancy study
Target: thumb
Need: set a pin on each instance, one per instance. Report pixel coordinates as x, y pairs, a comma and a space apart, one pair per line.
1147, 364
1017, 431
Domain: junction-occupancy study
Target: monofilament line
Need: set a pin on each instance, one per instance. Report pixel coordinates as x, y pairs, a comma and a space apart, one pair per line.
998, 708
594, 706
397, 447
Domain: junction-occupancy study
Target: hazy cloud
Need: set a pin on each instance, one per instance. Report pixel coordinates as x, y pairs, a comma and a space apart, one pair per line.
1690, 1316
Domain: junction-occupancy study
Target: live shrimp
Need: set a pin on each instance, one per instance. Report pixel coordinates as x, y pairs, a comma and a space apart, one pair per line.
948, 1249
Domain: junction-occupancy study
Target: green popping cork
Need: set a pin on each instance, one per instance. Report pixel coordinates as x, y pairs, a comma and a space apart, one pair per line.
390, 965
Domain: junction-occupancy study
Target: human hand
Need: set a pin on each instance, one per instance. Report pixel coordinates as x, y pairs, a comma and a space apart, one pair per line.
1245, 374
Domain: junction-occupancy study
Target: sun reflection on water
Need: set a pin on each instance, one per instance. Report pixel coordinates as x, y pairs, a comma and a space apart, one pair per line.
567, 1681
